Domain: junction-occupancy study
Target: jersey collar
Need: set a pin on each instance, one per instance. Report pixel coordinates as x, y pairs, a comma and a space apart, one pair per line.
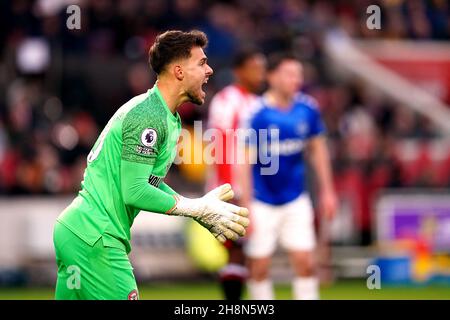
174, 116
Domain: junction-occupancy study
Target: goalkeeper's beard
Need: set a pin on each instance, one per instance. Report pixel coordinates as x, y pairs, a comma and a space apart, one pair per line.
195, 98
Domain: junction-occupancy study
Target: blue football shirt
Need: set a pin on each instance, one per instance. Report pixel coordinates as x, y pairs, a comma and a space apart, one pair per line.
279, 171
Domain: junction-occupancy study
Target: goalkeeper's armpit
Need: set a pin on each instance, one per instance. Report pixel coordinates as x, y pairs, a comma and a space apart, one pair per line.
224, 220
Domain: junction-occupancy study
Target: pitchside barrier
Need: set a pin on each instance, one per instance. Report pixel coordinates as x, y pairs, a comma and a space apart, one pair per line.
413, 236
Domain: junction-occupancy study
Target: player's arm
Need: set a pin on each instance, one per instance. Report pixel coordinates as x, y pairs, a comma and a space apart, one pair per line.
138, 193
319, 159
249, 126
142, 140
167, 189
222, 219
245, 176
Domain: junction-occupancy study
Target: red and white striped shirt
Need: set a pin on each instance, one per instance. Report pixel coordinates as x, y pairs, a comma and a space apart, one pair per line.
225, 113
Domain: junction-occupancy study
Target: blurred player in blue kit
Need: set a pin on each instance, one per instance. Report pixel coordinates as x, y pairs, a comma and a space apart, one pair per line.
280, 205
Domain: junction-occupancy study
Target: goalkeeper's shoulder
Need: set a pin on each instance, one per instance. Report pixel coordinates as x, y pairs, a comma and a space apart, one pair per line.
148, 123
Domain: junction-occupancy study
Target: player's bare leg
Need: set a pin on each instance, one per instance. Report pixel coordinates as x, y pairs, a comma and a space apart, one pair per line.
260, 285
306, 282
324, 254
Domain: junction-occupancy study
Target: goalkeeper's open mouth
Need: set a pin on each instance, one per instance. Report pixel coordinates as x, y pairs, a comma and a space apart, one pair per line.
202, 91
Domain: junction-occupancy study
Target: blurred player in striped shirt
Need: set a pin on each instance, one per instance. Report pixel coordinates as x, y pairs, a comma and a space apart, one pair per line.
225, 112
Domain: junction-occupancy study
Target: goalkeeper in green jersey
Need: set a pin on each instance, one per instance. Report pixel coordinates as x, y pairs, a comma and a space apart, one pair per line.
125, 174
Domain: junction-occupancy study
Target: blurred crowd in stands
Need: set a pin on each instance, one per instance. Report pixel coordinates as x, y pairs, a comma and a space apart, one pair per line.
59, 86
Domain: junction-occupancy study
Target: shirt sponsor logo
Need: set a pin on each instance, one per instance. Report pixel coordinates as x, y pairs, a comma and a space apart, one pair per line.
145, 150
285, 147
155, 181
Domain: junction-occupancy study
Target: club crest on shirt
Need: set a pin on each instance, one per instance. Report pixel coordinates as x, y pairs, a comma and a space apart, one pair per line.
148, 137
302, 128
133, 295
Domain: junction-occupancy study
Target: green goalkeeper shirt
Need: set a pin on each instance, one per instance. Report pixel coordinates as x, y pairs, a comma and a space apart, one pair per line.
125, 172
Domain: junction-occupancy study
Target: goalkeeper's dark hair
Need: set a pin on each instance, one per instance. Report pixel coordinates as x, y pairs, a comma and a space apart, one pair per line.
173, 45
244, 54
275, 59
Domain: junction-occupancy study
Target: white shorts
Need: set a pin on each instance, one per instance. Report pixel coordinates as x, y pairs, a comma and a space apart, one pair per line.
292, 224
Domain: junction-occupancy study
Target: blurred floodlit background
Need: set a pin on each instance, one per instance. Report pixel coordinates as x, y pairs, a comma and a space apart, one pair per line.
384, 95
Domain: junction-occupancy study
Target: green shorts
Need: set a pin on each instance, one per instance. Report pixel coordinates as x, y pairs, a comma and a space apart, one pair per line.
91, 272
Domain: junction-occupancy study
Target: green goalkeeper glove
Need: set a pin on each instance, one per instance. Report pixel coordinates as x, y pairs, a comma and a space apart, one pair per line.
224, 220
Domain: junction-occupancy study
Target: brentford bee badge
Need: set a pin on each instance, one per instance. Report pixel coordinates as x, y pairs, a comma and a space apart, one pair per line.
133, 295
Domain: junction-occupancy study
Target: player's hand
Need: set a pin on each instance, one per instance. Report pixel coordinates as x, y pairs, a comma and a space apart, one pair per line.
224, 220
328, 204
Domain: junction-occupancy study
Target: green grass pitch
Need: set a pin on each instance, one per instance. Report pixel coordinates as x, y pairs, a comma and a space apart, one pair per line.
210, 291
